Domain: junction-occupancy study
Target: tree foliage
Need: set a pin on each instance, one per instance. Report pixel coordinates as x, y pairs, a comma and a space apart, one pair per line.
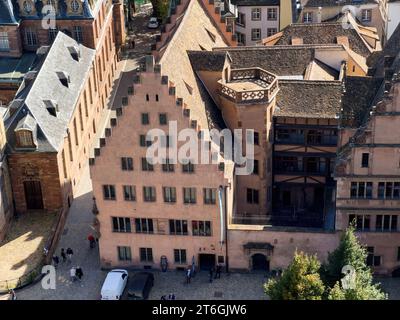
300, 281
160, 8
350, 252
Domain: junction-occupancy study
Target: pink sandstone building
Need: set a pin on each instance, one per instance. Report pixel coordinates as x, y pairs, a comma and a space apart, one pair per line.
311, 177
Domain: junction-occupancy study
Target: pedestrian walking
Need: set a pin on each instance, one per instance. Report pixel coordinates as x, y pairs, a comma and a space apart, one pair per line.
92, 241
171, 296
72, 274
63, 255
163, 297
218, 271
56, 260
12, 294
70, 254
211, 274
188, 275
79, 273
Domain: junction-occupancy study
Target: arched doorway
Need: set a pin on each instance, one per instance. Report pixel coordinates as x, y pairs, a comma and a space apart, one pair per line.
259, 262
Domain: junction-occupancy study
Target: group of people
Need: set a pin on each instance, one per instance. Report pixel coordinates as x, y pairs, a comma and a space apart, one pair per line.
213, 273
66, 255
217, 273
76, 273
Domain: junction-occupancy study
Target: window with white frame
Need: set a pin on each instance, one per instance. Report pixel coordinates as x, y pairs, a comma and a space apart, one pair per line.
77, 32
4, 42
366, 15
361, 221
52, 34
271, 31
389, 190
144, 225
30, 37
307, 17
272, 13
386, 222
255, 34
361, 190
121, 224
256, 14
180, 256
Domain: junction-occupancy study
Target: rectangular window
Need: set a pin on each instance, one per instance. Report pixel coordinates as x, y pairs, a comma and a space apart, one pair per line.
365, 160
272, 14
256, 14
76, 132
146, 254
124, 253
167, 166
256, 167
124, 101
4, 42
362, 222
30, 37
241, 38
144, 142
126, 163
52, 34
366, 15
271, 31
386, 223
143, 225
256, 138
188, 168
149, 194
189, 195
389, 190
241, 19
209, 195
307, 17
180, 256
129, 193
163, 118
121, 224
165, 141
361, 190
77, 33
178, 227
109, 192
201, 228
255, 34
145, 118
146, 166
169, 194
252, 196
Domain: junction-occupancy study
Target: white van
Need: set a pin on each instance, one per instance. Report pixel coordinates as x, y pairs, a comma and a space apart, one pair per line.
114, 285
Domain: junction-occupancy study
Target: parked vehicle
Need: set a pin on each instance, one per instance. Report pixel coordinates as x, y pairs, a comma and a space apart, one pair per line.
140, 285
114, 285
153, 23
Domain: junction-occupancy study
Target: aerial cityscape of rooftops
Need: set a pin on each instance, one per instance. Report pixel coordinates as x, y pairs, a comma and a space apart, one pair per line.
200, 150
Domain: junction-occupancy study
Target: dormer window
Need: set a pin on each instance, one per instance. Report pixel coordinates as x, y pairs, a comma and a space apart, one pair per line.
75, 6
25, 139
27, 5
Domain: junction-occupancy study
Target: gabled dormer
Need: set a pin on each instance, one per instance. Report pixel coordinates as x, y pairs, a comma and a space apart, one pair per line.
26, 133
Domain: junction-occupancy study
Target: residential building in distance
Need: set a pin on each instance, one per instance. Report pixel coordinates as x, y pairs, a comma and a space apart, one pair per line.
369, 13
257, 20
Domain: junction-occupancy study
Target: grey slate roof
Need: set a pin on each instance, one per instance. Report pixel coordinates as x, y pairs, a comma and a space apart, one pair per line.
7, 13
357, 100
324, 33
309, 99
335, 3
256, 2
280, 60
207, 60
47, 86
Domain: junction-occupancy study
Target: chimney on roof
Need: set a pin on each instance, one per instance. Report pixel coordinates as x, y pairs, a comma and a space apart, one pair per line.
149, 63
343, 40
297, 41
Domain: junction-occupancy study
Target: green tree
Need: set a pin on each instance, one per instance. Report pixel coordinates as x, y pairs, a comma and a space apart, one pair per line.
160, 8
300, 281
350, 253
